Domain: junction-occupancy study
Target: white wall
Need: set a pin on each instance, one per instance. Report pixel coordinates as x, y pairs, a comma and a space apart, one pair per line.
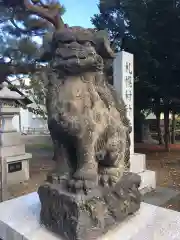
36, 121
153, 116
28, 120
24, 115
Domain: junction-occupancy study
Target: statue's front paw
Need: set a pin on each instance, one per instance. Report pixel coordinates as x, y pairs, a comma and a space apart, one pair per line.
83, 180
55, 178
106, 180
76, 185
108, 177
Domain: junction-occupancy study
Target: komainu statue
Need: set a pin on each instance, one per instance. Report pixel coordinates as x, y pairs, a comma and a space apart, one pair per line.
91, 188
87, 122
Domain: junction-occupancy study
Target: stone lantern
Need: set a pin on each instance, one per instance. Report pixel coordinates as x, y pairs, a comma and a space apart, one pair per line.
14, 160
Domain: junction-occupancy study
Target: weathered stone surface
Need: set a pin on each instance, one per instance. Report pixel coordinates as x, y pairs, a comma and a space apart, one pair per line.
88, 191
86, 118
76, 216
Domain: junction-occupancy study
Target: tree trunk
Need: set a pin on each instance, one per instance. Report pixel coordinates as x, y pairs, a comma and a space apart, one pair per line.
173, 128
166, 127
158, 122
158, 126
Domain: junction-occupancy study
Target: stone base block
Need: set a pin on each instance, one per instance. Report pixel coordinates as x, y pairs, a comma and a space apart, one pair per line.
138, 162
148, 178
20, 220
17, 168
148, 181
86, 217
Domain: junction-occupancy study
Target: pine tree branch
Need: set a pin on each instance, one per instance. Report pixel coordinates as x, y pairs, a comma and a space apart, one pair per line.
10, 69
45, 13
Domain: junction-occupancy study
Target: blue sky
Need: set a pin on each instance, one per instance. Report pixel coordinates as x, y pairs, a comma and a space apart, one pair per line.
79, 12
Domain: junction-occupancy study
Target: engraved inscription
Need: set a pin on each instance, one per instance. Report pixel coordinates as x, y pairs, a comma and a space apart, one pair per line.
14, 167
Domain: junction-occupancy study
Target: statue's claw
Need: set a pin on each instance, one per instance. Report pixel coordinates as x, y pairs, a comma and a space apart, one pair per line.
107, 180
56, 179
84, 186
109, 176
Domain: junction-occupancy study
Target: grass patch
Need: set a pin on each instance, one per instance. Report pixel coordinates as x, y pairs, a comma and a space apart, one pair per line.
42, 146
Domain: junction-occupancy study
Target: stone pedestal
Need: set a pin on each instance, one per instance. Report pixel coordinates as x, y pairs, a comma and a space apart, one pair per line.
14, 159
20, 220
84, 217
148, 178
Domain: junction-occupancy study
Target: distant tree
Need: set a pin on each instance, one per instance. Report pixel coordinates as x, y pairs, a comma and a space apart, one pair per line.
152, 36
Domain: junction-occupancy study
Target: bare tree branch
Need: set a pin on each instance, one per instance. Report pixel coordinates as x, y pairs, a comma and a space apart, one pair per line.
10, 69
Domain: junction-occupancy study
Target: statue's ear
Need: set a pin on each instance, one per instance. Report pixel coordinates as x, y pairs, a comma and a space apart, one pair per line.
103, 44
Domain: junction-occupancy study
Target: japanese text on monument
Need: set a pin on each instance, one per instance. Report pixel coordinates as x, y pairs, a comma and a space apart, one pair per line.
128, 78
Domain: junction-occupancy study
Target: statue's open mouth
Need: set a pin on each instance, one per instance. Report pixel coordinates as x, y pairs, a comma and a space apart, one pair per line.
76, 58
76, 64
68, 53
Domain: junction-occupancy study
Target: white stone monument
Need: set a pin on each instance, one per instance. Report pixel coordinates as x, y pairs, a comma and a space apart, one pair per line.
14, 159
123, 78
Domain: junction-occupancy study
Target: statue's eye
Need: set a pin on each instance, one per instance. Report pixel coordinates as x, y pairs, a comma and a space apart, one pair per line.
60, 45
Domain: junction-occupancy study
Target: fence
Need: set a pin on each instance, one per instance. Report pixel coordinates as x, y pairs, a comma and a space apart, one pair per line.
34, 131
